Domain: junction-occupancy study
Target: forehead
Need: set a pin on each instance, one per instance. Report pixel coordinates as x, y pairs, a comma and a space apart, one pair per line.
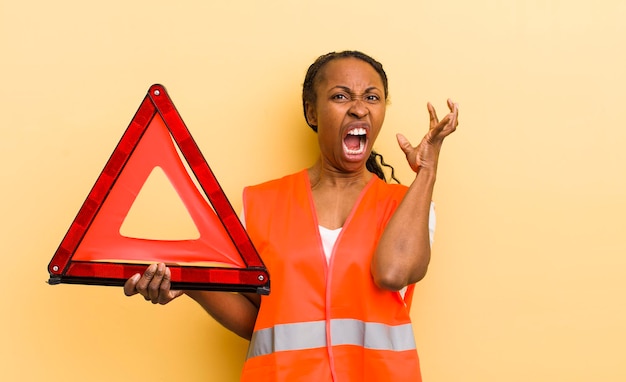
351, 72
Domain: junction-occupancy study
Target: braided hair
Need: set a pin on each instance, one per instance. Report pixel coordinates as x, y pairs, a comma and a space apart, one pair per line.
309, 96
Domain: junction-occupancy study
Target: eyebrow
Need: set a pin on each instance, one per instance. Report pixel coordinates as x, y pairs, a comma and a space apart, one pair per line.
348, 90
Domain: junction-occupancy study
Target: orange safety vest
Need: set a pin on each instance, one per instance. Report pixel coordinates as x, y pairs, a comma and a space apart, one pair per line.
325, 321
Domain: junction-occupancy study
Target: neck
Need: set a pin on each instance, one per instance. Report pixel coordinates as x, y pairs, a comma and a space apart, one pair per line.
324, 176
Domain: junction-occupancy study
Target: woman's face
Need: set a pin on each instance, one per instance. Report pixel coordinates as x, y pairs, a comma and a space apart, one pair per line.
349, 112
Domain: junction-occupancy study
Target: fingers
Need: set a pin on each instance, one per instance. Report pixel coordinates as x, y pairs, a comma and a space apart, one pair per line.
409, 151
154, 287
144, 281
130, 286
164, 287
404, 144
149, 283
435, 130
443, 128
454, 109
433, 115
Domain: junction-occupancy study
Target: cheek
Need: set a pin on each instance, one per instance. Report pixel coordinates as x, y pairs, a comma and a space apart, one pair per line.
328, 111
377, 121
329, 118
381, 114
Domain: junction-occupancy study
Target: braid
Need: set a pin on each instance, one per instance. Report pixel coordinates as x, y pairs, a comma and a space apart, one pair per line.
376, 169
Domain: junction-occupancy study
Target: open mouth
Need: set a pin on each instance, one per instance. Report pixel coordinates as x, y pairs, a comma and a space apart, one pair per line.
355, 141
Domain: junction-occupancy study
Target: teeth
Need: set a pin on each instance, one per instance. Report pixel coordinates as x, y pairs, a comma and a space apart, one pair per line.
357, 131
361, 133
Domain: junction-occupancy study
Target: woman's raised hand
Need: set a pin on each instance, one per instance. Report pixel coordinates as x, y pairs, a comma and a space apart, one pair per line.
426, 154
154, 285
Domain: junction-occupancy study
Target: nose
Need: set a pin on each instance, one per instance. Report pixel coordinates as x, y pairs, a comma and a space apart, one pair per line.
358, 108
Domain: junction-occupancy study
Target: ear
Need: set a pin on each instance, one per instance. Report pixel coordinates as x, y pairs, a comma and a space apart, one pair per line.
311, 114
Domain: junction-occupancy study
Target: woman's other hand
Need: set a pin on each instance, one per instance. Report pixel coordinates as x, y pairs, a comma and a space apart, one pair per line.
154, 285
426, 154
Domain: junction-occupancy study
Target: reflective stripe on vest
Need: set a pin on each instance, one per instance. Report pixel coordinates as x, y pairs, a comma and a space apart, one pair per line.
310, 335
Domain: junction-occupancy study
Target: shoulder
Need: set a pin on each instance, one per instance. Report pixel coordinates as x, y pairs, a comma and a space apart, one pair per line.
388, 190
275, 187
276, 184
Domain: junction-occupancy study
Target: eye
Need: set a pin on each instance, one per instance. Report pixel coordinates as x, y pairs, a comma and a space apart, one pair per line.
340, 97
372, 98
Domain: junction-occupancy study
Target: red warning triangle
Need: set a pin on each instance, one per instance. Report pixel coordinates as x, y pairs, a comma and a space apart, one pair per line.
94, 251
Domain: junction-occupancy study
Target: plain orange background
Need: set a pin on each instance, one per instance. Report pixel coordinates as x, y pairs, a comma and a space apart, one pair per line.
527, 277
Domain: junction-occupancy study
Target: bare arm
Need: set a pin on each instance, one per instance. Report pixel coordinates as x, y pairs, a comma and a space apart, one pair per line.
236, 312
403, 253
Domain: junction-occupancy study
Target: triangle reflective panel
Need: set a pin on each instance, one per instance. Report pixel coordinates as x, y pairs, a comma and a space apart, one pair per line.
98, 249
